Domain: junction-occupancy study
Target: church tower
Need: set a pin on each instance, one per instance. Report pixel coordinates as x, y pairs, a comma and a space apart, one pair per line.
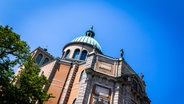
84, 75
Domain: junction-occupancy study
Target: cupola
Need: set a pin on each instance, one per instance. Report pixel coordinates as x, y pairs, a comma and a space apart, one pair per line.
79, 47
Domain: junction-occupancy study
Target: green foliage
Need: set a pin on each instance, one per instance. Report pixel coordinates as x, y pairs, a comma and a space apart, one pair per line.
29, 87
13, 51
31, 84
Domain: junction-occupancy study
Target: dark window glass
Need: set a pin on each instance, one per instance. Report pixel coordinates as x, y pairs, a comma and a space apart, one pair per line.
67, 54
76, 54
82, 74
83, 55
39, 58
74, 101
45, 61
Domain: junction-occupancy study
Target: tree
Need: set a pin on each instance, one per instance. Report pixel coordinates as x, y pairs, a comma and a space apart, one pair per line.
14, 51
31, 85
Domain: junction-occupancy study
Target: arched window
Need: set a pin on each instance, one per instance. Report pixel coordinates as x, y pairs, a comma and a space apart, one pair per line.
83, 55
74, 101
81, 75
67, 54
76, 54
39, 58
45, 61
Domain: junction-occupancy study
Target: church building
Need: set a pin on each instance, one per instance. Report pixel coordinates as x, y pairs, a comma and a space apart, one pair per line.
84, 75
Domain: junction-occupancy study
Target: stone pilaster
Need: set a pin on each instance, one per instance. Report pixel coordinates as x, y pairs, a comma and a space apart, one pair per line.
91, 59
117, 94
84, 91
120, 67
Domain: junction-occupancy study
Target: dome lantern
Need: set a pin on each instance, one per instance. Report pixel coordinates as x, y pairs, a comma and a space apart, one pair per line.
90, 32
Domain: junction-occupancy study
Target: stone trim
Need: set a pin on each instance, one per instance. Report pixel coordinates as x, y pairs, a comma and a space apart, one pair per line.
56, 85
59, 80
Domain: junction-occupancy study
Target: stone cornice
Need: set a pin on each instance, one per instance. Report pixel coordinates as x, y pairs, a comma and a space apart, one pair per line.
104, 76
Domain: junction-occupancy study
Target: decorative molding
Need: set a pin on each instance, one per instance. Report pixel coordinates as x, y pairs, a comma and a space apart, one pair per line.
58, 80
105, 66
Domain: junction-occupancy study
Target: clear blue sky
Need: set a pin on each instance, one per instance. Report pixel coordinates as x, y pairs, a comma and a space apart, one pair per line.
151, 32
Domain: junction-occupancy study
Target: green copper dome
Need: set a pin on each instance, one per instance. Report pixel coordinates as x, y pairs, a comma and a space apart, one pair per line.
88, 40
